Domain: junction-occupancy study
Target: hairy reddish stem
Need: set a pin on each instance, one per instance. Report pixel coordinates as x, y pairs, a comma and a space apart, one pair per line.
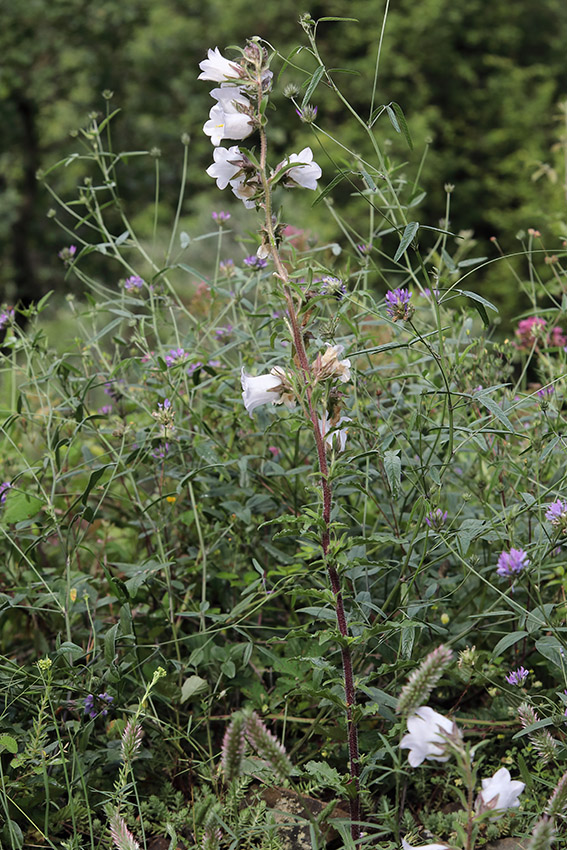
334, 580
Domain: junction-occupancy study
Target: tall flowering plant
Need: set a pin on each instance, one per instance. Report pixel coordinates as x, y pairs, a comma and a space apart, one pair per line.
240, 110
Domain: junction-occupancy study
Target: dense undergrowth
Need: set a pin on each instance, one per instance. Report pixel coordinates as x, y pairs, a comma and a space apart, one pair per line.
173, 670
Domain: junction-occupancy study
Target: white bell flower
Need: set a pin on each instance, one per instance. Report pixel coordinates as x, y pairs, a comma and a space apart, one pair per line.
228, 94
217, 68
306, 174
425, 736
223, 168
338, 436
226, 122
244, 191
263, 389
500, 792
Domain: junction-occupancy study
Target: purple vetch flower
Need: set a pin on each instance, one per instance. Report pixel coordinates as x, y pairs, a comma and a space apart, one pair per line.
4, 487
227, 268
220, 216
105, 410
194, 366
214, 363
255, 262
512, 563
436, 519
364, 249
308, 114
517, 677
174, 356
133, 282
6, 316
161, 451
556, 513
112, 389
398, 304
427, 293
99, 704
333, 286
545, 391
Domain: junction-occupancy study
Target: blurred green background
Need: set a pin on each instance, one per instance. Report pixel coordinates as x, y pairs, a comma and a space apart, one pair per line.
480, 81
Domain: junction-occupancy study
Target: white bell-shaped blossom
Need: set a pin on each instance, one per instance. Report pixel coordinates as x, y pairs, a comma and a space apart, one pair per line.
264, 389
217, 68
500, 792
224, 168
244, 191
226, 122
425, 738
306, 174
338, 436
228, 95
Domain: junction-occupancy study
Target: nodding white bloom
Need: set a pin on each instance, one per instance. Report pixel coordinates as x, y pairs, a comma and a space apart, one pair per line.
217, 68
338, 436
226, 165
229, 94
425, 738
305, 175
226, 122
244, 191
263, 389
328, 365
407, 846
500, 792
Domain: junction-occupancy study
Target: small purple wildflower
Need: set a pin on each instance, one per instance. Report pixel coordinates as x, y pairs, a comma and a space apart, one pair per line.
105, 409
133, 282
517, 677
427, 293
398, 304
194, 366
95, 705
6, 316
174, 356
112, 389
545, 391
556, 513
227, 268
364, 249
512, 563
4, 487
308, 114
255, 262
67, 254
333, 286
220, 216
214, 363
161, 451
223, 331
436, 519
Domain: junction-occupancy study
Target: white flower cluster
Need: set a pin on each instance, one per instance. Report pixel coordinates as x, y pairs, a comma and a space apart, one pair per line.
275, 387
431, 736
233, 117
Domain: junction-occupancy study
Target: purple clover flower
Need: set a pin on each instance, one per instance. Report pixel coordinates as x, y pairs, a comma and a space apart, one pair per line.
255, 262
99, 704
427, 293
105, 410
556, 513
133, 282
174, 356
364, 249
333, 286
436, 519
6, 316
512, 563
517, 677
220, 216
227, 268
194, 366
398, 304
4, 487
161, 451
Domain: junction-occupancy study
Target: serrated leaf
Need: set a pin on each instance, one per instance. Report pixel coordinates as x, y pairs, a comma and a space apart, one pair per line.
408, 236
192, 687
393, 468
8, 743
